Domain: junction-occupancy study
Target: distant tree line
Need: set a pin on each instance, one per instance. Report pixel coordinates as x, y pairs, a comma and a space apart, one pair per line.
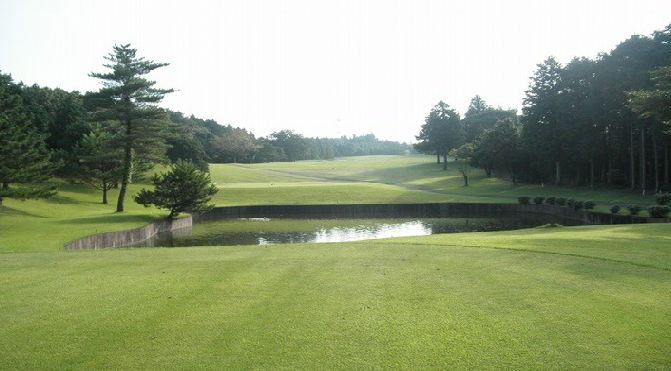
110, 138
586, 123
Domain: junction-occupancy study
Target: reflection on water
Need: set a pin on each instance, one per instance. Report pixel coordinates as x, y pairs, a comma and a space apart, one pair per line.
266, 231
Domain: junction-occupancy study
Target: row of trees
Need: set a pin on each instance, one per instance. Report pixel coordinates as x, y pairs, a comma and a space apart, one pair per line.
109, 138
603, 121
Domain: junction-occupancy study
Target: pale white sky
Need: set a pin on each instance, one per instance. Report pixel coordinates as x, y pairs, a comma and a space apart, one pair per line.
320, 68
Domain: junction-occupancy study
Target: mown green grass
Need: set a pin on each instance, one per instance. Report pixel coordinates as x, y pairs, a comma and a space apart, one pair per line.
382, 175
567, 299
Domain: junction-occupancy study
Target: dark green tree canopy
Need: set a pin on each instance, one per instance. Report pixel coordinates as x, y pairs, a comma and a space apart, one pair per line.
183, 188
441, 132
24, 158
655, 103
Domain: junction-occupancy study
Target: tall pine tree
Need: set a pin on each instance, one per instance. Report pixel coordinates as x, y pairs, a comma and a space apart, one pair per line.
127, 102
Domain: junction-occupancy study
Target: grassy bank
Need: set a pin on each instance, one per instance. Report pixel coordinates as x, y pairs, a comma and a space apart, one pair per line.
593, 298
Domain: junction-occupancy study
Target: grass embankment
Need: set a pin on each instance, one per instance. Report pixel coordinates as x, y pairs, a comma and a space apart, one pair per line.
580, 298
596, 297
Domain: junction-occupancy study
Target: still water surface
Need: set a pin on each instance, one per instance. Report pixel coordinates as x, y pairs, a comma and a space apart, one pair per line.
269, 231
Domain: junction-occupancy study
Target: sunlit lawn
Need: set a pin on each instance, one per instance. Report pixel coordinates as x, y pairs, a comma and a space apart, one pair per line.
569, 298
596, 298
403, 170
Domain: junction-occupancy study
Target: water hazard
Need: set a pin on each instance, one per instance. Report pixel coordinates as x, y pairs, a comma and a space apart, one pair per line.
269, 231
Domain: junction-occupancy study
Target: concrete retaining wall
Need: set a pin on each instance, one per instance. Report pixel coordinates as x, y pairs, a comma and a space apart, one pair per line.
126, 238
456, 210
565, 215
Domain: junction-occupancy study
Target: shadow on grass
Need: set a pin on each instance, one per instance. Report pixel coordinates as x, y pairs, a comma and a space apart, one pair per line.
5, 210
110, 219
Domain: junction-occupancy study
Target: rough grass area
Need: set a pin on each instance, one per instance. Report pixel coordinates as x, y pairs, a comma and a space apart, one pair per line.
596, 298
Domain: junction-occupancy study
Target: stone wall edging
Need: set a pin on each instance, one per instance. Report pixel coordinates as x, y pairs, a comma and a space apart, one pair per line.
126, 238
455, 209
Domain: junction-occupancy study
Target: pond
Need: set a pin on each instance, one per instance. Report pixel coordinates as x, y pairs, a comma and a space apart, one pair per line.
283, 230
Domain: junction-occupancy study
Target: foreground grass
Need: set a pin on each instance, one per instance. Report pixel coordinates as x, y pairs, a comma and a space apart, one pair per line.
595, 298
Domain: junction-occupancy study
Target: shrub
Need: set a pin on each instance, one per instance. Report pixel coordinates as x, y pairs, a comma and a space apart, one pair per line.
570, 202
539, 200
523, 200
183, 188
577, 205
588, 205
561, 201
615, 209
659, 211
551, 200
634, 209
663, 198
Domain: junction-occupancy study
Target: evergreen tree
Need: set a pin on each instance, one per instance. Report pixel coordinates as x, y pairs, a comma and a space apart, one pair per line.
24, 158
98, 162
128, 101
541, 129
183, 188
441, 132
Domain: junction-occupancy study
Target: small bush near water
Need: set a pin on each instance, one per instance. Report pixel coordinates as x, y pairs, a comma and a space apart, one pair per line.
615, 209
523, 200
577, 205
634, 209
659, 211
539, 200
588, 205
663, 198
551, 200
561, 201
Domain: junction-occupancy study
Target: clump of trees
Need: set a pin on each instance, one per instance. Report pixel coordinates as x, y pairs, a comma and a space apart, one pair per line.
605, 121
25, 161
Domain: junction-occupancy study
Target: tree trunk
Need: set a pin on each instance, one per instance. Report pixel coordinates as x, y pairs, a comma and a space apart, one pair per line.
466, 180
105, 189
488, 171
125, 179
666, 164
656, 161
557, 173
632, 176
445, 161
437, 157
643, 161
4, 186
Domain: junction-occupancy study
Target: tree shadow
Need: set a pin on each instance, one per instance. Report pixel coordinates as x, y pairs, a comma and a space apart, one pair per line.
115, 218
6, 210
